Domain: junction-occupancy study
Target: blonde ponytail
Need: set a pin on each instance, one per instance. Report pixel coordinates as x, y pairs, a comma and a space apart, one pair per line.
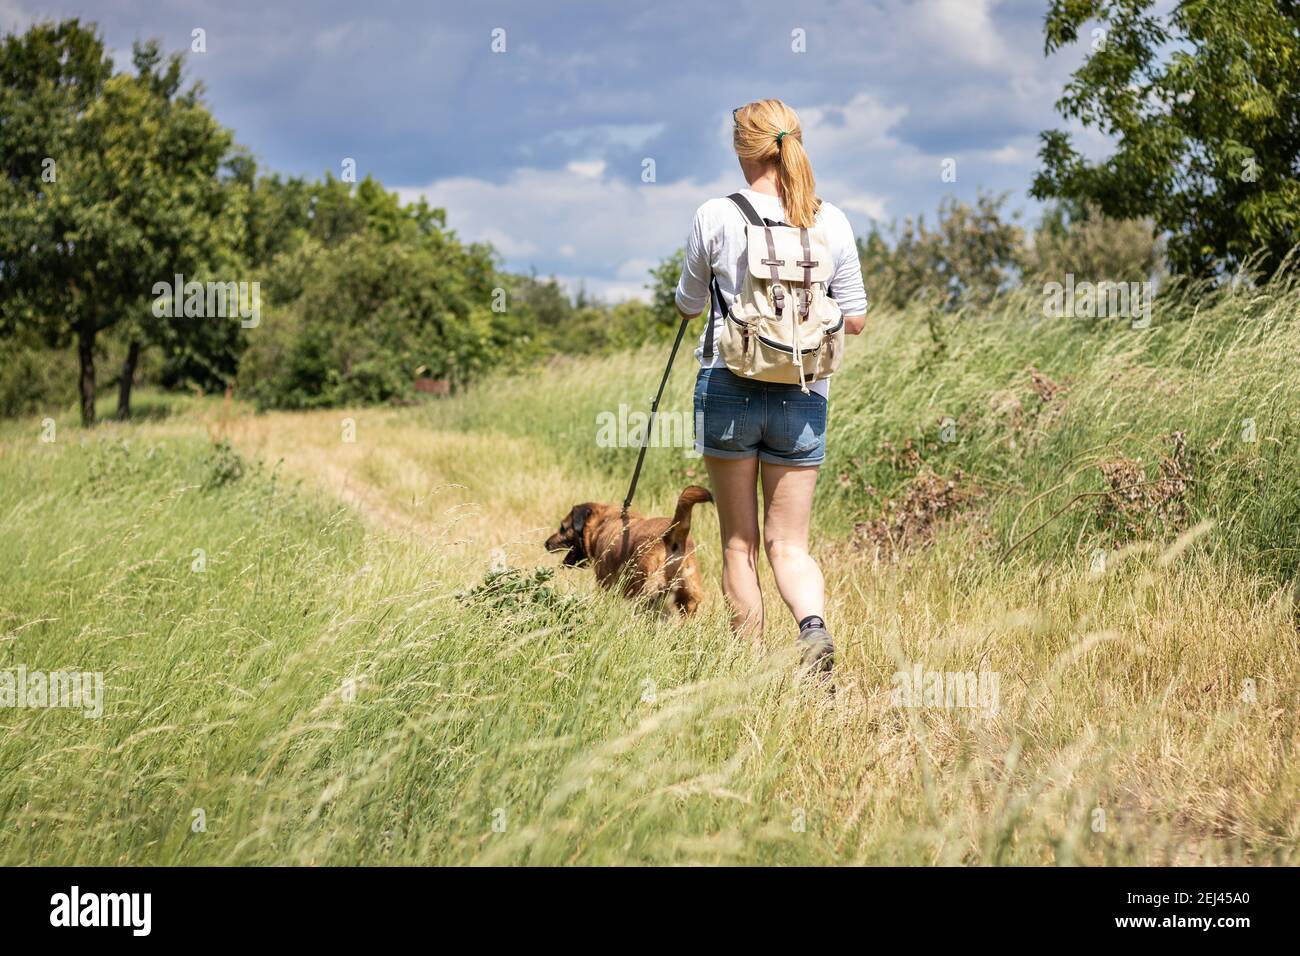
768, 132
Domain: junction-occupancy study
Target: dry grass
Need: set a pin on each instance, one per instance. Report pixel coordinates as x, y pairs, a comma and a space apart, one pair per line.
325, 695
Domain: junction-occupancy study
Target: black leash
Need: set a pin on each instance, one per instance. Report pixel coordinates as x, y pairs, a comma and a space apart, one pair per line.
654, 408
715, 301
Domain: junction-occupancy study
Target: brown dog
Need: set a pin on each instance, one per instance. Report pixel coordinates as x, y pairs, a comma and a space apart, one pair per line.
652, 558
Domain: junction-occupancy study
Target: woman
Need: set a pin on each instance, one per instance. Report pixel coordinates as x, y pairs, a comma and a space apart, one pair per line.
780, 436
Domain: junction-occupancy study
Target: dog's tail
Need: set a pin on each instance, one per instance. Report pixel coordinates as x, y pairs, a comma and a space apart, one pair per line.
692, 495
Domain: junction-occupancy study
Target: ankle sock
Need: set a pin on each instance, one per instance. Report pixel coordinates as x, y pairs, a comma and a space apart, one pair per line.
812, 620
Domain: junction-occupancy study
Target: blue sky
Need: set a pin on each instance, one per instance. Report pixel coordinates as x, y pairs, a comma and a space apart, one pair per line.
540, 149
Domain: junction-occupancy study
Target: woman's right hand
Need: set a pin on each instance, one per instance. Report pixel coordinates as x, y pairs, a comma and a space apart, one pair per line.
853, 324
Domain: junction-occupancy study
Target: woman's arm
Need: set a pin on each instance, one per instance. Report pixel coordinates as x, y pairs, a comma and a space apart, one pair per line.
847, 280
692, 296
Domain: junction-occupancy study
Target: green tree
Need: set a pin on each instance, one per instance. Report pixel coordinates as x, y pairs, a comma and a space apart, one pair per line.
110, 186
1203, 103
199, 238
546, 302
970, 254
49, 79
663, 289
368, 312
1092, 246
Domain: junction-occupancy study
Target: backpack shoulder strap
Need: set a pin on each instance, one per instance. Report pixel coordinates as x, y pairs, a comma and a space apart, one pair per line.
746, 209
753, 218
715, 301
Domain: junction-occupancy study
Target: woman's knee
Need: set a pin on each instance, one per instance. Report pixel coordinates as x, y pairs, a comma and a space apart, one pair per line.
740, 553
779, 550
740, 570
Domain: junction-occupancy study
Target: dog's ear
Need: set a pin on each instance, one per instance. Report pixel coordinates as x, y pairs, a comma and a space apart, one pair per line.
572, 536
580, 515
578, 546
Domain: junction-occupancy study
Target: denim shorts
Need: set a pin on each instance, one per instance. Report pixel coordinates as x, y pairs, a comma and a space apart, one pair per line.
738, 417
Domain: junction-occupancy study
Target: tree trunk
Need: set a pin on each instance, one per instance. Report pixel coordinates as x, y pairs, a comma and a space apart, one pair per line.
128, 377
86, 385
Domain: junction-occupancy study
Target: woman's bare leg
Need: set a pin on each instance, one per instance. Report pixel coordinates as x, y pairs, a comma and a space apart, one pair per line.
787, 512
735, 494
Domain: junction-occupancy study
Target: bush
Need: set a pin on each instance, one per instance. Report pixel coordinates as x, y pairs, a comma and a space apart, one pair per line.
973, 253
969, 256
370, 314
36, 380
1093, 247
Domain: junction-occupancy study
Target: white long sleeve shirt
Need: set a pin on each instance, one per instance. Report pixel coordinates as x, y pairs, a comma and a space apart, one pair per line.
716, 246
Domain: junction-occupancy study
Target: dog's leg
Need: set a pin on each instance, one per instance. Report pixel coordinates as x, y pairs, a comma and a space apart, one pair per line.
687, 591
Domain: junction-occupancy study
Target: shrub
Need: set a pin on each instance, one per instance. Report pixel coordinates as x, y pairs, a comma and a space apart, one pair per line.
36, 380
370, 314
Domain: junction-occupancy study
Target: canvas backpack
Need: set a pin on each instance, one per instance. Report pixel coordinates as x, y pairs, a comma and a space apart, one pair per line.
783, 325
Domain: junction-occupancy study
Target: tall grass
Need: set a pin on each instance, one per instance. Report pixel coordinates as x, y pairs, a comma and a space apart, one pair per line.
325, 690
1211, 363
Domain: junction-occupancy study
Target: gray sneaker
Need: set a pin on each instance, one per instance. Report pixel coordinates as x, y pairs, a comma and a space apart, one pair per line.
817, 650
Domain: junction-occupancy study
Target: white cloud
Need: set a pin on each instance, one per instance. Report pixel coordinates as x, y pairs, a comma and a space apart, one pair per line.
604, 135
960, 30
635, 268
617, 229
871, 206
607, 290
588, 169
508, 244
1019, 152
542, 217
863, 123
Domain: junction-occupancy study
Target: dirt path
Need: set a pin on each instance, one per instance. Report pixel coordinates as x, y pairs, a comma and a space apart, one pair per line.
452, 488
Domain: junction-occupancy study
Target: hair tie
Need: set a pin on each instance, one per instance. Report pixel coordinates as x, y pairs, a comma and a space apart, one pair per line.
779, 135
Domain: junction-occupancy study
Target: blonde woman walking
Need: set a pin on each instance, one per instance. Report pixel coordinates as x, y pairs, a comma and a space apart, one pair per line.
752, 432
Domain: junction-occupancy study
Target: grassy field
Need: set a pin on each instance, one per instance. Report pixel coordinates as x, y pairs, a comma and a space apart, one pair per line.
308, 658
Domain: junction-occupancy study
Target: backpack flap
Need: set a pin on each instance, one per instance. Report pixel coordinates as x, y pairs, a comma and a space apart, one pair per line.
787, 243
